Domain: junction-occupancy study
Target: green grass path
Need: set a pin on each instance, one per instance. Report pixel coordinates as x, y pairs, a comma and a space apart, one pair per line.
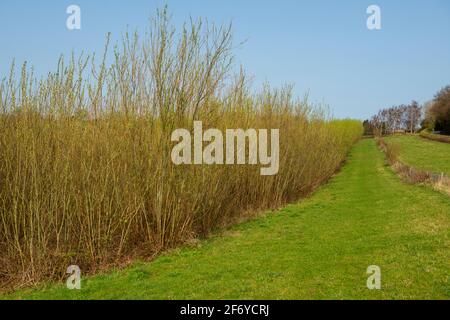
319, 248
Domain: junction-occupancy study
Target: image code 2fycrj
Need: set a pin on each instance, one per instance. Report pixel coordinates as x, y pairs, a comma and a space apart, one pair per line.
222, 158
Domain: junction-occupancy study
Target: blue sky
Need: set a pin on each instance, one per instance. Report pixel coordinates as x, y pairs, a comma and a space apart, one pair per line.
321, 46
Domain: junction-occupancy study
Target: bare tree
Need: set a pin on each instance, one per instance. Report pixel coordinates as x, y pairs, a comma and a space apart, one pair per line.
397, 118
412, 115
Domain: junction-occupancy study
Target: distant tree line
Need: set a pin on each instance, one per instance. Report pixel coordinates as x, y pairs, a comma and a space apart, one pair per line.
437, 112
433, 115
405, 118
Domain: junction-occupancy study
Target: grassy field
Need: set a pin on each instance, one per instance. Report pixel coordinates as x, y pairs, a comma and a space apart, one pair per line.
319, 248
423, 154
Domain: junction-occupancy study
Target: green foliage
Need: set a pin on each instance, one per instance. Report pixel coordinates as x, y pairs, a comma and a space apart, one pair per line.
441, 110
437, 112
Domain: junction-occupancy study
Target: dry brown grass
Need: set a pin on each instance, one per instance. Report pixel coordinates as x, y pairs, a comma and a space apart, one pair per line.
85, 171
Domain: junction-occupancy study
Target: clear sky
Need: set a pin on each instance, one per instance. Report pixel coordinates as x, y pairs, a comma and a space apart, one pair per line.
321, 46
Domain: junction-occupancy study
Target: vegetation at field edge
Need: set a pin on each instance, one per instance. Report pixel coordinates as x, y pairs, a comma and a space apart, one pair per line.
319, 248
436, 137
86, 175
423, 154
